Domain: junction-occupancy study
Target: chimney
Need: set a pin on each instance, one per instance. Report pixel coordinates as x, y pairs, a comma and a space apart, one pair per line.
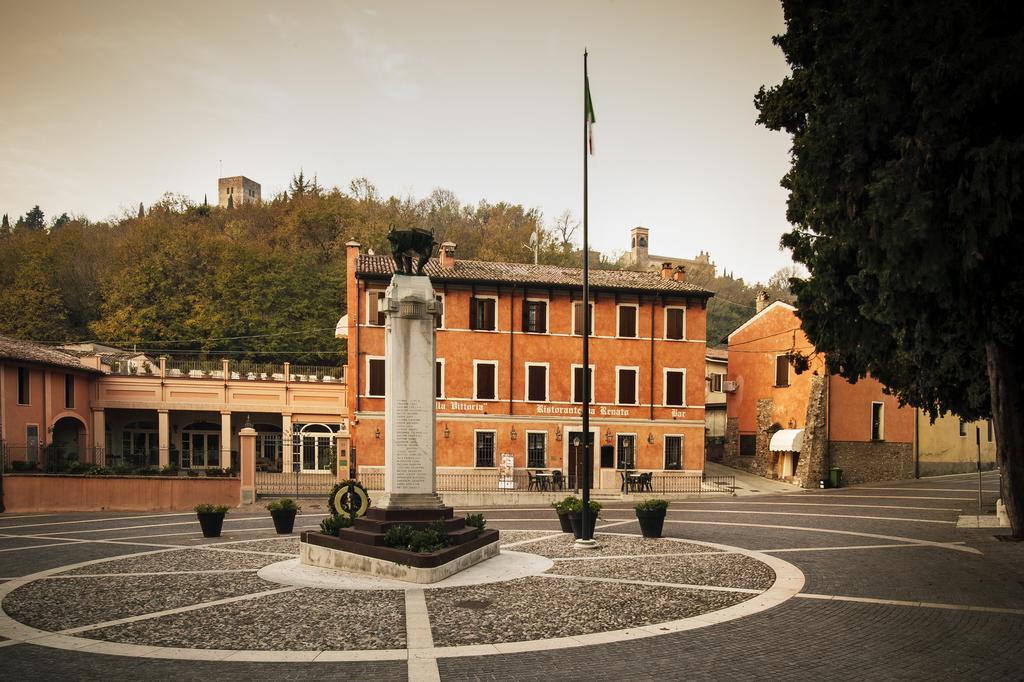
447, 255
761, 301
351, 254
679, 274
666, 270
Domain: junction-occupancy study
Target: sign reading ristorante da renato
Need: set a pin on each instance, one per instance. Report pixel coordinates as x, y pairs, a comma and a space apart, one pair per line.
553, 410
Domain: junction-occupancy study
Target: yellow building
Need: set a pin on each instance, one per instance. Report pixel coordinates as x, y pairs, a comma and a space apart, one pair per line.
950, 445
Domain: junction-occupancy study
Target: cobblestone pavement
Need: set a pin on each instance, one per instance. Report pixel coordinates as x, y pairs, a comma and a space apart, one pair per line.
891, 589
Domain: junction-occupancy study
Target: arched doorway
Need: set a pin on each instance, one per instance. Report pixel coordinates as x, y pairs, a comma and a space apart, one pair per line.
314, 448
65, 439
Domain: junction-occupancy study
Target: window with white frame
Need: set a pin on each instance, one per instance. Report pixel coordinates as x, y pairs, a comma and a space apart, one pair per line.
536, 449
577, 318
439, 378
675, 387
537, 382
675, 323
877, 421
577, 383
673, 453
374, 315
375, 381
485, 379
485, 448
627, 322
963, 429
483, 313
535, 316
627, 387
715, 380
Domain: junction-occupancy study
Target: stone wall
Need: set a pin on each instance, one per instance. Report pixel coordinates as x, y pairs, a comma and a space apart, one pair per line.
865, 462
813, 465
731, 453
764, 459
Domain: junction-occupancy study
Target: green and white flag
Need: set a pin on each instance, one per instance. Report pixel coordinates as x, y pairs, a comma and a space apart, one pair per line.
589, 117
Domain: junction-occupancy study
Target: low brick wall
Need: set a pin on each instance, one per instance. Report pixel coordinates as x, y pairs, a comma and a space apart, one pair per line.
867, 462
50, 492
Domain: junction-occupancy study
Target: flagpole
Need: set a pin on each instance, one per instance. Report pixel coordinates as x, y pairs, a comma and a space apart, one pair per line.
587, 535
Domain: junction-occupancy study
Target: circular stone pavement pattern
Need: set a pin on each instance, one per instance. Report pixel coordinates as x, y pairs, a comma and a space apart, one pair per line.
251, 601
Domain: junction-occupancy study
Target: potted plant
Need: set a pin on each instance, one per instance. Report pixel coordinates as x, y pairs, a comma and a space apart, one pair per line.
576, 517
562, 508
651, 515
211, 518
283, 512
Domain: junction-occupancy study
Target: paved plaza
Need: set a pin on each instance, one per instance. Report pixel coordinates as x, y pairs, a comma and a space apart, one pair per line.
868, 582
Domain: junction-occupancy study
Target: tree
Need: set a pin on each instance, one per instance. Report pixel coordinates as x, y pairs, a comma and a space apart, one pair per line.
5, 226
780, 287
33, 220
142, 211
60, 221
907, 204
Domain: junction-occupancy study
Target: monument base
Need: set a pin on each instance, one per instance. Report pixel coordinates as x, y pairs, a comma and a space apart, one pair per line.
387, 562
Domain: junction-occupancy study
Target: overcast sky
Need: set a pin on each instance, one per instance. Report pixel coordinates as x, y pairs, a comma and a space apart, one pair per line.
106, 104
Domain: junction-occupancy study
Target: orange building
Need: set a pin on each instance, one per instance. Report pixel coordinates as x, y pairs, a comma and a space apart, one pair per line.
797, 426
508, 378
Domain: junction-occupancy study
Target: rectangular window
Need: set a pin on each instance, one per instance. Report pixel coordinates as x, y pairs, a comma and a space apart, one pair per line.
675, 323
481, 314
877, 421
989, 430
675, 383
627, 321
536, 450
374, 315
626, 380
486, 380
781, 370
69, 391
577, 383
23, 379
375, 377
674, 453
485, 448
535, 317
748, 445
716, 382
536, 383
963, 429
577, 318
440, 321
627, 451
439, 379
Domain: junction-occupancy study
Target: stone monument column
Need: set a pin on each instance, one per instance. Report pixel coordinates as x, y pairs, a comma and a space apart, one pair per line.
412, 312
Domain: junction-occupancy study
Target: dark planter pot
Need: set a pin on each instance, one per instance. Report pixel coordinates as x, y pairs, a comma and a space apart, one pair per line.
284, 520
211, 522
563, 519
651, 523
576, 520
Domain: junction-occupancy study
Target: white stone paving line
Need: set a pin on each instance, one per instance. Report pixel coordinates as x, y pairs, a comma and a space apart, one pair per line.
917, 604
842, 547
824, 504
789, 581
610, 525
636, 556
885, 497
827, 516
193, 522
101, 520
529, 540
897, 538
929, 490
419, 639
653, 583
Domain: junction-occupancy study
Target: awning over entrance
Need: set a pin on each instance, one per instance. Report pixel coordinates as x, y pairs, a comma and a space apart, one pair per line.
787, 440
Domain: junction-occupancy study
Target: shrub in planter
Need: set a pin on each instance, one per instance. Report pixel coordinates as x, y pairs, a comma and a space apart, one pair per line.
563, 507
651, 515
429, 539
332, 524
97, 470
123, 469
476, 521
20, 467
78, 467
576, 518
398, 536
169, 470
283, 512
211, 518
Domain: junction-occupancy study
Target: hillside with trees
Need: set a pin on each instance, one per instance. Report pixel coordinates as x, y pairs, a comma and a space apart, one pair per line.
260, 281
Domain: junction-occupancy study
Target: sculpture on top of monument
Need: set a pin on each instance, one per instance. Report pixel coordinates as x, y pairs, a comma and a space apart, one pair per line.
411, 249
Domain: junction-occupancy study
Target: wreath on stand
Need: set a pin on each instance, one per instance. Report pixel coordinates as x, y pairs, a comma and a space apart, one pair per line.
347, 502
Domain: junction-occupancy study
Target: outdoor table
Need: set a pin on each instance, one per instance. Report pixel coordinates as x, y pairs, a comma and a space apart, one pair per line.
543, 480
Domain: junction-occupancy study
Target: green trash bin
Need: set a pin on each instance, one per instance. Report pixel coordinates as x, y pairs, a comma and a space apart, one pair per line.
836, 478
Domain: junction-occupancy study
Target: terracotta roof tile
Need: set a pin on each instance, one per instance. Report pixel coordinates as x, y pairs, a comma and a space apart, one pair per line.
27, 351
374, 266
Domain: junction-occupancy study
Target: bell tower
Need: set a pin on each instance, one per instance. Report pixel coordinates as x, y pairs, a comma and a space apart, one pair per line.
638, 240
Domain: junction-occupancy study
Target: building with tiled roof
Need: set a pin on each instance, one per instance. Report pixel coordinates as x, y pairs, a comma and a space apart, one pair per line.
508, 378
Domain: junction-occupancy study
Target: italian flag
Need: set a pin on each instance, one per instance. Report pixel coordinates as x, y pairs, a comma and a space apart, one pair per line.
589, 117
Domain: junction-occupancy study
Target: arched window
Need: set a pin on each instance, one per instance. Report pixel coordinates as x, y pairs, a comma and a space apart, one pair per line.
643, 242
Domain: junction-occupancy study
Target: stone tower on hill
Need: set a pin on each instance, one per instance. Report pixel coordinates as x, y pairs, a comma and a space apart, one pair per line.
639, 256
238, 189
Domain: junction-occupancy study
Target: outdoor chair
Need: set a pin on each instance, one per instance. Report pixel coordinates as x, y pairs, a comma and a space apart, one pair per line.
646, 482
532, 485
626, 485
556, 480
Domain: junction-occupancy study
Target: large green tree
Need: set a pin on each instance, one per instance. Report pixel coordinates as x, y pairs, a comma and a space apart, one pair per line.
906, 197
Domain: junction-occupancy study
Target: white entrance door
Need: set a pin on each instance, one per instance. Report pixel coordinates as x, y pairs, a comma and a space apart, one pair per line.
200, 449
